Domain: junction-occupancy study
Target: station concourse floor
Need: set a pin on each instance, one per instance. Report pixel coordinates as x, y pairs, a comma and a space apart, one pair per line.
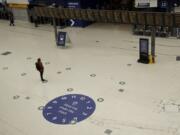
101, 62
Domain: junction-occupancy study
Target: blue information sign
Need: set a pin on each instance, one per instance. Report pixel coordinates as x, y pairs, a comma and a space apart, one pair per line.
164, 4
69, 109
76, 22
73, 4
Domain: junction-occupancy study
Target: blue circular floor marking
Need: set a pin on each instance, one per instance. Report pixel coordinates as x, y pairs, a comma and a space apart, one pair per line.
68, 109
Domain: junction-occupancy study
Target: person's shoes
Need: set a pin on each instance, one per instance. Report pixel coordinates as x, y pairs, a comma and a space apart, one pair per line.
44, 81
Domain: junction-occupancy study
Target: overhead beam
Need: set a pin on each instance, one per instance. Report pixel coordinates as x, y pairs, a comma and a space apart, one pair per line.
18, 5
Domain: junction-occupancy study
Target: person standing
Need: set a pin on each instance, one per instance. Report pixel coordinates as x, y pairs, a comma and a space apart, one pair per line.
35, 18
40, 68
11, 18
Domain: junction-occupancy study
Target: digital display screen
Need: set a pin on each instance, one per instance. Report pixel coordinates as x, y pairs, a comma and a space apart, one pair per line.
144, 50
144, 45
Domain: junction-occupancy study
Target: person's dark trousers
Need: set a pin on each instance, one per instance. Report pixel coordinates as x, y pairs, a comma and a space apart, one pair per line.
41, 75
11, 23
35, 24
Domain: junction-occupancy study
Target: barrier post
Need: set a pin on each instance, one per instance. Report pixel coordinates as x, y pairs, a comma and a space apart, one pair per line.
55, 29
153, 39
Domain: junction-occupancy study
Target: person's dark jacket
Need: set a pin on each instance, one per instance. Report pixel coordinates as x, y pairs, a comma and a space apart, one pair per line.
11, 16
39, 66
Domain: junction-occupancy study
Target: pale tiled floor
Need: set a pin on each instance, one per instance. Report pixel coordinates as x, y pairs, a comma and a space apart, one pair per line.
149, 105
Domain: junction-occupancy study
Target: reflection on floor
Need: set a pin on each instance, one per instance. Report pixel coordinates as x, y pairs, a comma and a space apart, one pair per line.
130, 98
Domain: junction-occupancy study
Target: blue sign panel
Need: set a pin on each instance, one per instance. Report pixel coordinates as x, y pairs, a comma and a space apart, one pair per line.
164, 4
61, 39
69, 109
73, 4
75, 22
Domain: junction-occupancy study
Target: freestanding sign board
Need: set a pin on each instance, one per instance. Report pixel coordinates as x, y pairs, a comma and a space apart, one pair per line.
61, 39
144, 50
